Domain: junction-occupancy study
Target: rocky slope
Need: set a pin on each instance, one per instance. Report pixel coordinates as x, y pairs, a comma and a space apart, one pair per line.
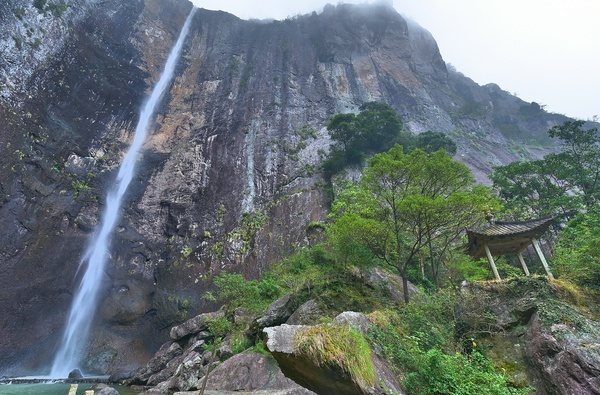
227, 179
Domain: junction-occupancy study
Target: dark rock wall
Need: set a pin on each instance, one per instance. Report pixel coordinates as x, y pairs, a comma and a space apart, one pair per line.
228, 178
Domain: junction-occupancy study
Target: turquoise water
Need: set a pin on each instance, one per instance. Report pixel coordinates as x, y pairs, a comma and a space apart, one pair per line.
53, 389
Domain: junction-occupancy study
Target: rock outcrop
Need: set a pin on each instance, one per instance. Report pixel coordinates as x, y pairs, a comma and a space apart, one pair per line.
326, 378
181, 366
540, 334
229, 178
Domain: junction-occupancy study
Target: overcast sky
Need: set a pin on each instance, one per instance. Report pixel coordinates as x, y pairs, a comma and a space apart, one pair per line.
547, 51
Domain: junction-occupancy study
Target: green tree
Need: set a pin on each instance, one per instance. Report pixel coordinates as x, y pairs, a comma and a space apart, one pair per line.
380, 126
404, 203
560, 184
375, 128
434, 141
577, 251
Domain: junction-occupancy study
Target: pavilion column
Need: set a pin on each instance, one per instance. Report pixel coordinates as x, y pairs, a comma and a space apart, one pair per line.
536, 245
491, 259
525, 269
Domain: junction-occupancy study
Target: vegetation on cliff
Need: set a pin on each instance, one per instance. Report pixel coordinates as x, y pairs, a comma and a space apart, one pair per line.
407, 214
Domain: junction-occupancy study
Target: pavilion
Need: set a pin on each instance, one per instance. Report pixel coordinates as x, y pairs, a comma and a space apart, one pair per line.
504, 238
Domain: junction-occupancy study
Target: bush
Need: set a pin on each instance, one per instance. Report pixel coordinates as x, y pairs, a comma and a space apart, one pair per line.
234, 291
577, 251
442, 374
421, 344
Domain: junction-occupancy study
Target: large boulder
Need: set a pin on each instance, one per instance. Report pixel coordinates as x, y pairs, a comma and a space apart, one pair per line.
329, 378
194, 325
563, 361
307, 314
278, 312
252, 372
163, 356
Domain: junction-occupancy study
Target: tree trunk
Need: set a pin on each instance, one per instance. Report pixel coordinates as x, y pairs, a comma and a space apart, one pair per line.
405, 287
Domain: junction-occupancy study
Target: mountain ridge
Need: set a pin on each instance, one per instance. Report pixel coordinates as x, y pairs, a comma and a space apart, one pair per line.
229, 178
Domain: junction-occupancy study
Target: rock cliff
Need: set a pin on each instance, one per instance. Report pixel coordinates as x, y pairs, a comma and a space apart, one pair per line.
229, 177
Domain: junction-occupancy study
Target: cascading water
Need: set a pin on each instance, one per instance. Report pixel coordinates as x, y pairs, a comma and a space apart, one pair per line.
85, 300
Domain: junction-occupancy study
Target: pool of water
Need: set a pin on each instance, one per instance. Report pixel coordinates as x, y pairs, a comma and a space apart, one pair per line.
55, 389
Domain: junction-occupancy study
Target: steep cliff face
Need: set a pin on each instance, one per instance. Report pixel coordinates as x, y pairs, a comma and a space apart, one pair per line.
229, 177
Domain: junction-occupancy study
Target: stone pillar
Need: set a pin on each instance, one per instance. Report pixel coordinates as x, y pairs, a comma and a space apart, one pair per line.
73, 389
525, 269
491, 259
540, 254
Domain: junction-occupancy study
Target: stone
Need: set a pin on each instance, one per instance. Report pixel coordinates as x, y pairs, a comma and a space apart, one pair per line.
166, 353
75, 374
570, 365
224, 352
194, 325
211, 157
308, 313
107, 391
390, 283
189, 371
250, 372
354, 320
167, 372
277, 313
325, 379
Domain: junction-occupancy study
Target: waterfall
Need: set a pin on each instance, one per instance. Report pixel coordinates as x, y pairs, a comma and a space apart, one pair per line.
84, 303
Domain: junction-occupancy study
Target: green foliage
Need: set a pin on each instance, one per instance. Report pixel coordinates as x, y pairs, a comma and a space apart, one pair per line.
218, 327
421, 343
462, 267
559, 185
57, 9
375, 129
434, 141
338, 346
442, 374
20, 13
472, 109
39, 4
577, 251
405, 204
234, 291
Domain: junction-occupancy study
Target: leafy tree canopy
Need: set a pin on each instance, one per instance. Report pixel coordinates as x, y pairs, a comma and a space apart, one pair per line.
405, 202
561, 184
376, 128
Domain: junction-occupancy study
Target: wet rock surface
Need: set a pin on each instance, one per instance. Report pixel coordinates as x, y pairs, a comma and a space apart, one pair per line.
226, 181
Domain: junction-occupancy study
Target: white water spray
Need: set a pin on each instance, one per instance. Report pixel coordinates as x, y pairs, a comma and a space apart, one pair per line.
84, 304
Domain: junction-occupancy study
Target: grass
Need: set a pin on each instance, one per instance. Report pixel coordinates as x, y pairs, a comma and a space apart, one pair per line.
338, 346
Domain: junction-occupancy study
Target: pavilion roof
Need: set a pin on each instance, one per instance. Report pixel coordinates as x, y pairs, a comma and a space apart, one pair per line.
503, 237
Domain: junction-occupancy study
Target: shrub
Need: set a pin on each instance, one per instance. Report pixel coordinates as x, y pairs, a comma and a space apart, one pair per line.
577, 251
442, 374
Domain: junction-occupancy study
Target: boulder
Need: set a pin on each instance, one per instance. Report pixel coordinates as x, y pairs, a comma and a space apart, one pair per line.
252, 372
307, 314
356, 321
107, 391
194, 325
167, 372
163, 356
75, 374
278, 312
561, 361
391, 284
189, 371
326, 379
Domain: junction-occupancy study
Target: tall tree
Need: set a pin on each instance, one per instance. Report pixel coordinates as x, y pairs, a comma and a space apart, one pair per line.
404, 203
561, 184
374, 129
